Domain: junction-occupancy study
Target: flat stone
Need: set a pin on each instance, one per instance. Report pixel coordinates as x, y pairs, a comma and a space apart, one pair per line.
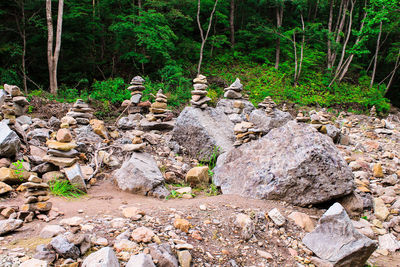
51, 230
52, 144
302, 220
5, 188
389, 242
104, 257
63, 154
58, 161
140, 260
9, 225
34, 263
64, 248
185, 258
276, 217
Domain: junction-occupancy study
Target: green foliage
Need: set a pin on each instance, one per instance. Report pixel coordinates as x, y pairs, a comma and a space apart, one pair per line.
63, 188
113, 90
19, 171
212, 190
211, 161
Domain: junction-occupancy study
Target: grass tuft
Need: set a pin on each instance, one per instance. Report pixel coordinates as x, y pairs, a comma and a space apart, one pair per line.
63, 188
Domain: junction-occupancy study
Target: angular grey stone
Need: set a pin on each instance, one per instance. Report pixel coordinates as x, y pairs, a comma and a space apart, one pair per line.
104, 257
146, 125
125, 123
294, 163
20, 100
41, 134
135, 99
335, 240
333, 132
267, 123
64, 154
232, 94
54, 122
9, 141
200, 132
3, 95
389, 242
51, 231
10, 225
65, 249
24, 120
44, 253
75, 115
139, 174
140, 260
163, 254
75, 176
137, 80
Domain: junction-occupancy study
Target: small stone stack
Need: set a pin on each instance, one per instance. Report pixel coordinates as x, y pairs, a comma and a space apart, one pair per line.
372, 112
159, 108
136, 89
36, 197
284, 108
12, 102
62, 151
234, 90
245, 132
268, 105
81, 112
301, 118
199, 92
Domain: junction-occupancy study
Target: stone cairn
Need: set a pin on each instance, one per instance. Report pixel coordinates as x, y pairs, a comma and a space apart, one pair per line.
61, 152
234, 90
81, 112
199, 92
372, 112
268, 105
301, 118
320, 117
284, 108
36, 198
136, 88
12, 102
159, 108
245, 132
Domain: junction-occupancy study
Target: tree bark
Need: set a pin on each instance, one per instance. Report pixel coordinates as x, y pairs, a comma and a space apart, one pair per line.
393, 72
376, 54
279, 16
329, 33
232, 23
53, 55
203, 37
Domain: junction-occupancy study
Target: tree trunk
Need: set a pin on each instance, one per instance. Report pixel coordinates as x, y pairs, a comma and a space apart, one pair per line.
279, 15
232, 23
53, 55
393, 72
329, 33
203, 38
376, 54
295, 57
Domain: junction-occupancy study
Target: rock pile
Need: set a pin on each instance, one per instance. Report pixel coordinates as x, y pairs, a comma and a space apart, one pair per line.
136, 89
268, 105
234, 90
245, 132
301, 117
199, 94
61, 151
159, 108
372, 112
36, 197
12, 102
81, 112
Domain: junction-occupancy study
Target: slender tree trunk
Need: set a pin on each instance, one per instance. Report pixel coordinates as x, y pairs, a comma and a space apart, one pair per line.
329, 34
232, 23
53, 55
393, 72
301, 49
279, 15
376, 54
204, 37
339, 29
295, 58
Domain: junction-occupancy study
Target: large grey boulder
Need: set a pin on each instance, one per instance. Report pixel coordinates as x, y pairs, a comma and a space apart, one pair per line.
336, 241
200, 132
9, 141
104, 257
267, 123
139, 174
293, 163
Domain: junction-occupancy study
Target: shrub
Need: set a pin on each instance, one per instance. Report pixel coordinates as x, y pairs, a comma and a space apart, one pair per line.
113, 90
64, 188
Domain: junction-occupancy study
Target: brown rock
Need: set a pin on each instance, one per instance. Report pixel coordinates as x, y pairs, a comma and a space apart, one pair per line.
4, 188
38, 206
302, 220
60, 146
64, 136
99, 128
58, 161
353, 204
142, 234
377, 170
182, 225
4, 162
159, 105
197, 175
